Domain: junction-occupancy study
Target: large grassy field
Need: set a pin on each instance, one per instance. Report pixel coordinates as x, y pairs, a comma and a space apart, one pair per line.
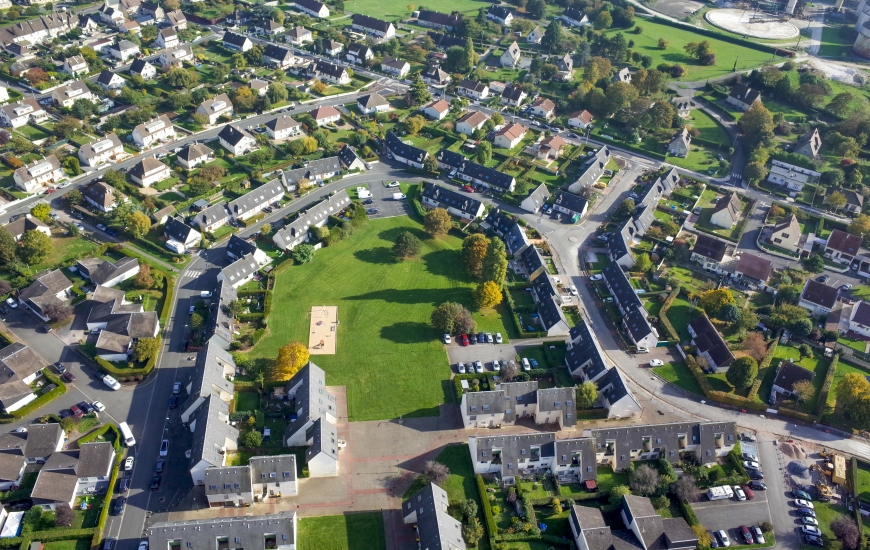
726, 53
391, 9
388, 356
362, 531
709, 127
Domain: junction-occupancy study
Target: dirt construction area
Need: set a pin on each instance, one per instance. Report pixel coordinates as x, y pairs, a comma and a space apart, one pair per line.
323, 330
752, 23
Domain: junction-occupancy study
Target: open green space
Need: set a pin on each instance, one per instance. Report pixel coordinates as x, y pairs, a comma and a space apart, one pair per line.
709, 127
76, 544
863, 490
66, 249
678, 373
833, 44
350, 531
680, 314
726, 53
388, 356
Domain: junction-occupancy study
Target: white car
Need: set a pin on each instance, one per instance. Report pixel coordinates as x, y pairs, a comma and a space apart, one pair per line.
738, 492
656, 363
11, 302
176, 388
526, 365
460, 368
164, 448
393, 184
809, 530
143, 545
478, 367
128, 464
573, 290
752, 465
447, 339
21, 430
98, 406
801, 503
498, 338
759, 536
596, 277
111, 382
496, 366
723, 538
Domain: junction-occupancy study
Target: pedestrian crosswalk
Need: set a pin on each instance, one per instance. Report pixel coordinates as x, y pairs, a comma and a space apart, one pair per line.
193, 273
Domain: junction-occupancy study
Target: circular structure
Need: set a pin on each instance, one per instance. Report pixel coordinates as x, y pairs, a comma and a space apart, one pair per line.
752, 23
862, 43
863, 13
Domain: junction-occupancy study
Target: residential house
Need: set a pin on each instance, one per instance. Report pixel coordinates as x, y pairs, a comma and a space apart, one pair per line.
472, 89
216, 107
283, 127
679, 146
511, 456
500, 15
275, 531
754, 271
158, 129
475, 174
622, 75
124, 50
252, 203
543, 108
313, 8
726, 213
709, 252
575, 17
176, 20
239, 17
110, 81
634, 321
510, 401
273, 476
743, 97
296, 231
89, 24
121, 324
536, 199
268, 28
573, 206
791, 176
786, 234
565, 64
506, 227
436, 20
511, 56
106, 272
403, 152
299, 36
710, 344
75, 65
859, 319
213, 374
683, 105
149, 171
358, 53
435, 527
154, 10
434, 76
787, 375
325, 115
278, 57
841, 247
129, 27
175, 57
11, 473
535, 35
818, 298
510, 136
42, 440
549, 148
437, 110
240, 271
213, 438
167, 38
143, 68
161, 216
327, 72
548, 299
809, 144
350, 159
645, 528
176, 230
237, 140
20, 113
314, 172
102, 151
382, 30
330, 47
20, 366
512, 96
471, 121
395, 67
238, 248
237, 42
26, 223
314, 424
854, 201
38, 174
39, 29
435, 196
212, 218
228, 486
372, 103
193, 155
50, 289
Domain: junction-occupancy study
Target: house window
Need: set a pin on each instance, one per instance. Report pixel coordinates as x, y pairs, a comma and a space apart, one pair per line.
472, 418
785, 235
567, 403
238, 540
507, 411
236, 485
564, 457
672, 453
588, 468
483, 453
519, 398
213, 487
271, 474
485, 407
658, 440
510, 466
569, 416
558, 404
621, 457
522, 451
473, 408
286, 474
227, 485
262, 476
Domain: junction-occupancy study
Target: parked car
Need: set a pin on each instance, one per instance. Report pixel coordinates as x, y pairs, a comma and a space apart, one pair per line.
846, 286
526, 365
813, 541
751, 464
797, 493
59, 367
533, 362
101, 227
85, 406
478, 367
128, 463
118, 508
801, 503
460, 367
756, 532
76, 411
750, 494
173, 402
806, 512
98, 406
498, 338
164, 448
823, 278
714, 542
749, 456
746, 534
755, 474
596, 277
124, 484
723, 538
573, 290
496, 366
372, 211
489, 338
45, 329
806, 520
811, 530
739, 494
481, 338
656, 363
111, 382
65, 414
159, 467
393, 184
68, 377
155, 483
757, 485
176, 388
11, 302
464, 339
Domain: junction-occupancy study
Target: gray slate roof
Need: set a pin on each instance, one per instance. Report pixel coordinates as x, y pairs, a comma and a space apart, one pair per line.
263, 195
200, 534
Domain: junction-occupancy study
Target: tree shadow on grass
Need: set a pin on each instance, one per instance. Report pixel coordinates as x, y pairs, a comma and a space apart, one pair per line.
407, 332
393, 233
379, 255
444, 263
433, 296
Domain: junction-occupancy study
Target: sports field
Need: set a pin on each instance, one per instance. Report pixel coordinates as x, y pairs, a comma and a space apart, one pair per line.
388, 356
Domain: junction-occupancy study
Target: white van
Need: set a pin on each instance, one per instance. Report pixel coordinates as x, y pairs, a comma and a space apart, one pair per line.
127, 434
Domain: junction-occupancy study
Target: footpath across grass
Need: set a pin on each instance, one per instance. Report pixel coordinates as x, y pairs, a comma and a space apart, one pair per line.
388, 356
351, 531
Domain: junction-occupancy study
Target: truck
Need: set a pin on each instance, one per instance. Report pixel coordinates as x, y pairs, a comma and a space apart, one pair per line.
398, 196
720, 493
175, 246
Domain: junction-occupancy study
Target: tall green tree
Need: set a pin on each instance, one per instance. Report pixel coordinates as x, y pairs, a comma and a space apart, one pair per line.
495, 262
741, 374
474, 249
553, 36
35, 246
419, 91
757, 125
7, 247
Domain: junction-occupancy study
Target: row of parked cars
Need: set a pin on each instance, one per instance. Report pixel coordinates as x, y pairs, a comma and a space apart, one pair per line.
479, 338
497, 364
751, 535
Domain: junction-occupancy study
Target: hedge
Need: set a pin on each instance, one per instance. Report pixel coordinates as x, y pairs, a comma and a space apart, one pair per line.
688, 513
457, 382
50, 535
40, 401
109, 368
672, 332
489, 520
853, 480
826, 387
168, 295
104, 513
738, 462
546, 501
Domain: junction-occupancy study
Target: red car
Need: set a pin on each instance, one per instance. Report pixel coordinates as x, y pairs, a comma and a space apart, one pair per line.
77, 412
49, 191
750, 494
468, 188
68, 377
464, 339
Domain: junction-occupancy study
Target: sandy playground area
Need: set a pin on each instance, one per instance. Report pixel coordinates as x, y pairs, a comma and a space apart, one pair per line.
323, 330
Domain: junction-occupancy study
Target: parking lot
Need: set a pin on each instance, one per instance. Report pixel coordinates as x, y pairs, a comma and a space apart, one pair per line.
732, 513
382, 199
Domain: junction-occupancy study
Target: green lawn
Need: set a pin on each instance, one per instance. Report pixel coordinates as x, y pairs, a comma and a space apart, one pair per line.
709, 127
816, 363
360, 531
726, 53
679, 374
388, 356
77, 544
66, 249
680, 314
863, 481
843, 369
834, 45
247, 401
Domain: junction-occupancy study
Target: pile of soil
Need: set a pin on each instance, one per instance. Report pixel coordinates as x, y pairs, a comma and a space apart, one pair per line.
792, 451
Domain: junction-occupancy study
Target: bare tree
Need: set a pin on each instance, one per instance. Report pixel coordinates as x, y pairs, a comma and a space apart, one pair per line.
846, 531
644, 481
436, 473
755, 345
510, 372
685, 488
64, 516
804, 390
58, 312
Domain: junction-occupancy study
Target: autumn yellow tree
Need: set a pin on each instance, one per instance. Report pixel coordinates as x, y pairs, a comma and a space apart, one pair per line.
488, 294
714, 300
291, 358
437, 222
474, 249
